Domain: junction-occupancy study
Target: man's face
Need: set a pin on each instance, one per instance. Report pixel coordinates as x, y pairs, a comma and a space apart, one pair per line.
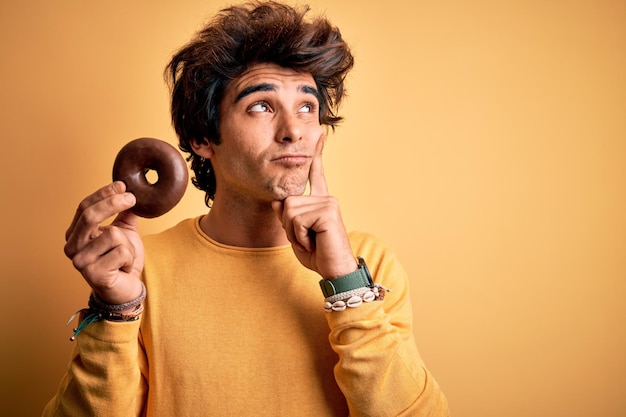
269, 126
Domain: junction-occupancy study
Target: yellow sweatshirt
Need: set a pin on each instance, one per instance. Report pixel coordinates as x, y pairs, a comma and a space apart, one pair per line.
230, 331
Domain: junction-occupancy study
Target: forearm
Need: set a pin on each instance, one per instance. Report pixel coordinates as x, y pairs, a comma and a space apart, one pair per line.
105, 374
380, 370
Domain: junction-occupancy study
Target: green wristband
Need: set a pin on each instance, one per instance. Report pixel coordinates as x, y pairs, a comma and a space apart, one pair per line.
357, 279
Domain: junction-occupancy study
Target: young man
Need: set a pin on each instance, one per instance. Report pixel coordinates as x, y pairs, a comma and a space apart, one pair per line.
233, 323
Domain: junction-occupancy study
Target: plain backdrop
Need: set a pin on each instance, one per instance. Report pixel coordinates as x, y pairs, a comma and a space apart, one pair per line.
484, 140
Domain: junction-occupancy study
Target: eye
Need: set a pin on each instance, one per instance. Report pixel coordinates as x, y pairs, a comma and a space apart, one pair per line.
307, 108
260, 107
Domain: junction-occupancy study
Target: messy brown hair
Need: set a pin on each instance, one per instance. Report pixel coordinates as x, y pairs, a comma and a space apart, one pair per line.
237, 38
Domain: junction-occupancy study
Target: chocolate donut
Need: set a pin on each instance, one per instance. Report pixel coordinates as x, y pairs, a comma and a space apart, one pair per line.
139, 156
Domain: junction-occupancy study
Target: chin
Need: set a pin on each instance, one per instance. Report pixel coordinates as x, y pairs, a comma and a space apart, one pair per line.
283, 191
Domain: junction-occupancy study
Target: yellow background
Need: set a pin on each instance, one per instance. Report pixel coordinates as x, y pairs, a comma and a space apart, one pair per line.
485, 140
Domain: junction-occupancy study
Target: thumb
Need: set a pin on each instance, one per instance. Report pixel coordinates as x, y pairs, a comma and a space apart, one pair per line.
127, 219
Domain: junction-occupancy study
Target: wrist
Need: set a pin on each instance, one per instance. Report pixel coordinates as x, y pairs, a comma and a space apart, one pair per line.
100, 310
340, 270
358, 277
98, 304
122, 293
351, 290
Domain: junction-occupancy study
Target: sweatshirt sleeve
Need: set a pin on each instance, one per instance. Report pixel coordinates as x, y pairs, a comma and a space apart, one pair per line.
380, 370
106, 374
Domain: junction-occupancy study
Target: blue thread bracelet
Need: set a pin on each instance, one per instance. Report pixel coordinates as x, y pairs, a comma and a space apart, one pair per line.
99, 310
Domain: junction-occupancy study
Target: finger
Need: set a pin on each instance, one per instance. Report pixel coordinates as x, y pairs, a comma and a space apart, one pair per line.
104, 192
305, 237
111, 239
278, 207
127, 220
110, 275
317, 181
120, 258
294, 235
87, 226
287, 222
303, 221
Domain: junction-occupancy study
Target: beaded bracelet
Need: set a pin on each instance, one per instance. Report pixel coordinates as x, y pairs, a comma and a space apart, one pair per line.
99, 310
354, 298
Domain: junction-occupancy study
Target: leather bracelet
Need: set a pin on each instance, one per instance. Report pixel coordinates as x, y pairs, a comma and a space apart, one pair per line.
114, 316
98, 304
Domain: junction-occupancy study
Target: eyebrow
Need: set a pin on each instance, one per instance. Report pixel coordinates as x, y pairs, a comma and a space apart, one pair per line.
272, 87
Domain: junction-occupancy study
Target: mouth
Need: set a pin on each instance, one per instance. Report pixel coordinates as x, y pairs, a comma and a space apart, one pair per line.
291, 159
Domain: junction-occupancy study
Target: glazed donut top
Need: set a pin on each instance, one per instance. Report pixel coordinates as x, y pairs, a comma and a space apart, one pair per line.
136, 159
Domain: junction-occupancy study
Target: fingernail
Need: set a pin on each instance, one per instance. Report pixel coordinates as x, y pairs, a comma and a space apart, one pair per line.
129, 197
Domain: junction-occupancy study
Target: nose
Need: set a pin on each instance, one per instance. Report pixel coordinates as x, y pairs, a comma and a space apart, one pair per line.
289, 128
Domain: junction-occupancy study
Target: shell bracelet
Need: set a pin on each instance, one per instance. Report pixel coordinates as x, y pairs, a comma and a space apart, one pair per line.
355, 298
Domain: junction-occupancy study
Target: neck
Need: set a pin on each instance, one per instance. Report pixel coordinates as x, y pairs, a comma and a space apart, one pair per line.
244, 225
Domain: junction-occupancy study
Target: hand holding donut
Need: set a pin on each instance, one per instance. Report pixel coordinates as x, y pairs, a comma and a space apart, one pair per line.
110, 258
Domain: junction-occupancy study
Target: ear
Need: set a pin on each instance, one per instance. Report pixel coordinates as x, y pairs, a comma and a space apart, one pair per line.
203, 148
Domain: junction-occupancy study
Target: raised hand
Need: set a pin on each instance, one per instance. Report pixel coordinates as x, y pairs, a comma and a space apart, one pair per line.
314, 226
110, 258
